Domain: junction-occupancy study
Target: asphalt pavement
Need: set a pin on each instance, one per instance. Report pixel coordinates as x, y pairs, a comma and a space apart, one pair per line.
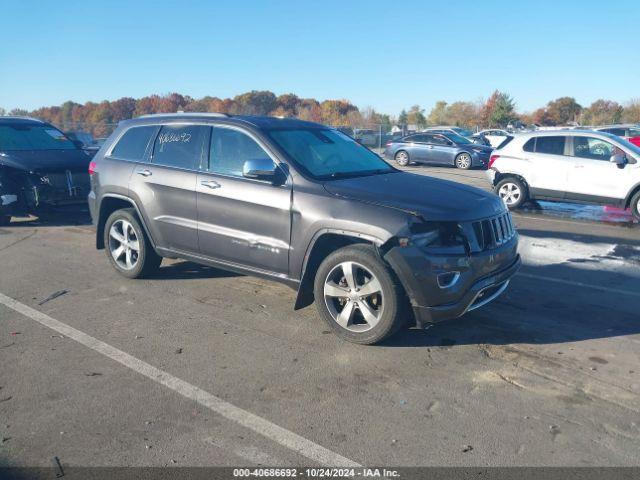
197, 366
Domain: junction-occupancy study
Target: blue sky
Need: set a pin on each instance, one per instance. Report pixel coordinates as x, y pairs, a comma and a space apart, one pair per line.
384, 54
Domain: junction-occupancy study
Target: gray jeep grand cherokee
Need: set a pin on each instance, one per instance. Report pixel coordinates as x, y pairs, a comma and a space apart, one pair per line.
306, 205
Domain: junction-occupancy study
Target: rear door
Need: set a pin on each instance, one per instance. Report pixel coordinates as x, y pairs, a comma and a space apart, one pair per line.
166, 186
549, 167
245, 222
442, 150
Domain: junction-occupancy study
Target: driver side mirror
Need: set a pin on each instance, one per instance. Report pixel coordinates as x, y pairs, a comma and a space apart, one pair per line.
618, 159
260, 169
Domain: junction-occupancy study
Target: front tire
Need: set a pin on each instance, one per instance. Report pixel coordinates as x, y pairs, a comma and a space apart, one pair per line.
463, 161
512, 191
635, 206
359, 296
402, 158
127, 245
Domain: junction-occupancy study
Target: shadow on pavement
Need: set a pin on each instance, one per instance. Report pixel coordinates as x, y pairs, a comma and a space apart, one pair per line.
187, 270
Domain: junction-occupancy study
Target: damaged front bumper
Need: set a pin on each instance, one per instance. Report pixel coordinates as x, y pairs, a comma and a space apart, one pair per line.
24, 193
471, 280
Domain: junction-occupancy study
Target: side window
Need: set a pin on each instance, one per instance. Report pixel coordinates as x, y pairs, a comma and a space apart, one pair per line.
550, 145
181, 146
133, 143
230, 149
530, 146
592, 148
633, 132
415, 138
439, 140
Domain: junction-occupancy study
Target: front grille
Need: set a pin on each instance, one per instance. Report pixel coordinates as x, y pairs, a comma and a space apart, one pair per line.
493, 232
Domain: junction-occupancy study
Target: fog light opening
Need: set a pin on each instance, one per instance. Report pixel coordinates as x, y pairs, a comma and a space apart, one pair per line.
448, 279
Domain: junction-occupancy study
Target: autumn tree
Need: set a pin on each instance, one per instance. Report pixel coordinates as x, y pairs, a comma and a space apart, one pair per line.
438, 114
562, 111
602, 112
631, 113
415, 116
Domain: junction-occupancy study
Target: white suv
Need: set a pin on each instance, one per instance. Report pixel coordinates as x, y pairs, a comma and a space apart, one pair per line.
567, 165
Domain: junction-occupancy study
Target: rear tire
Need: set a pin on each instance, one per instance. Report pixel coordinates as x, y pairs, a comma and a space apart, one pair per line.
358, 295
127, 245
635, 205
513, 192
402, 158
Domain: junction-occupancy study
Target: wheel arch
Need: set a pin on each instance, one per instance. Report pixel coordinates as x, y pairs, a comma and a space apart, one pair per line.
323, 243
635, 189
109, 204
501, 176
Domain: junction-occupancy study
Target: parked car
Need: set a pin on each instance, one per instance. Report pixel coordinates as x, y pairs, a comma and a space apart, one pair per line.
40, 168
629, 132
568, 165
305, 205
494, 137
439, 149
366, 136
463, 132
81, 139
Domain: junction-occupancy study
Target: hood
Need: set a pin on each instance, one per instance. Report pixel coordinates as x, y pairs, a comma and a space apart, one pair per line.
46, 161
478, 146
428, 197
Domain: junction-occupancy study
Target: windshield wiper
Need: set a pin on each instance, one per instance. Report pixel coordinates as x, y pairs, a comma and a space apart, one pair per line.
361, 173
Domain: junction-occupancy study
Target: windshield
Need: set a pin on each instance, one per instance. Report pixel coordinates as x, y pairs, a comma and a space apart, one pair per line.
458, 139
33, 137
326, 154
462, 131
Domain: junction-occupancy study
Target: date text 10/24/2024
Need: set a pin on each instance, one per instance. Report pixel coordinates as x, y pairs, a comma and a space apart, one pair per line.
316, 472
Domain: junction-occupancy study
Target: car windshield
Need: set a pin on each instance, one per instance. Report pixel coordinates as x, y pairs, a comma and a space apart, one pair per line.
33, 137
327, 153
460, 140
462, 131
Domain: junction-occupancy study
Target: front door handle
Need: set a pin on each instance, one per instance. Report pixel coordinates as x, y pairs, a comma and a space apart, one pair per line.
210, 184
144, 172
578, 166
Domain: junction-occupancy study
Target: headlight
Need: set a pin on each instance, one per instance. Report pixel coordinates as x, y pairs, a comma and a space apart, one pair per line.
439, 237
478, 150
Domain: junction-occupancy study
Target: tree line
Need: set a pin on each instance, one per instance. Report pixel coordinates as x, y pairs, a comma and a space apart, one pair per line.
100, 119
498, 110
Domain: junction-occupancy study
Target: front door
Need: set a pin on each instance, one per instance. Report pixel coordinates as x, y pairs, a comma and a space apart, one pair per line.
244, 222
593, 176
165, 187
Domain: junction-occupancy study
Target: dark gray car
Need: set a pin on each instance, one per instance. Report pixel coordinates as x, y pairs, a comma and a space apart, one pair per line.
438, 149
303, 204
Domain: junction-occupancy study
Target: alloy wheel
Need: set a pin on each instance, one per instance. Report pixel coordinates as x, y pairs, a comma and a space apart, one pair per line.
510, 193
124, 244
354, 297
463, 161
402, 158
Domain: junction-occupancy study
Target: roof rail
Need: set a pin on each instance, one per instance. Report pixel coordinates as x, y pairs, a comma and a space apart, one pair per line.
186, 114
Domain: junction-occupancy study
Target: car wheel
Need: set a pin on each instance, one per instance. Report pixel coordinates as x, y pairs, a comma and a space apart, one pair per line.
127, 245
5, 220
635, 205
463, 161
512, 191
359, 296
402, 158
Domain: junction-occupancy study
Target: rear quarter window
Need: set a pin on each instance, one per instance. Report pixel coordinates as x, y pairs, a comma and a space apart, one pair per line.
133, 143
550, 145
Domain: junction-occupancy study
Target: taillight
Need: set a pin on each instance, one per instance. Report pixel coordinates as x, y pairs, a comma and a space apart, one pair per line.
93, 167
492, 159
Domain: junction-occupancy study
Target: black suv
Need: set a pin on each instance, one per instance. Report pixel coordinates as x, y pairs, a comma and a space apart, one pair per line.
306, 205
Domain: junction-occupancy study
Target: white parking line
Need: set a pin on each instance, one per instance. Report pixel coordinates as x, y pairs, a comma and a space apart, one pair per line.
280, 435
579, 284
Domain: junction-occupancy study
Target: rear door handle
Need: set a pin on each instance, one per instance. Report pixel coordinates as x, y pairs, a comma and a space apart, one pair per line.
210, 184
144, 172
578, 166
